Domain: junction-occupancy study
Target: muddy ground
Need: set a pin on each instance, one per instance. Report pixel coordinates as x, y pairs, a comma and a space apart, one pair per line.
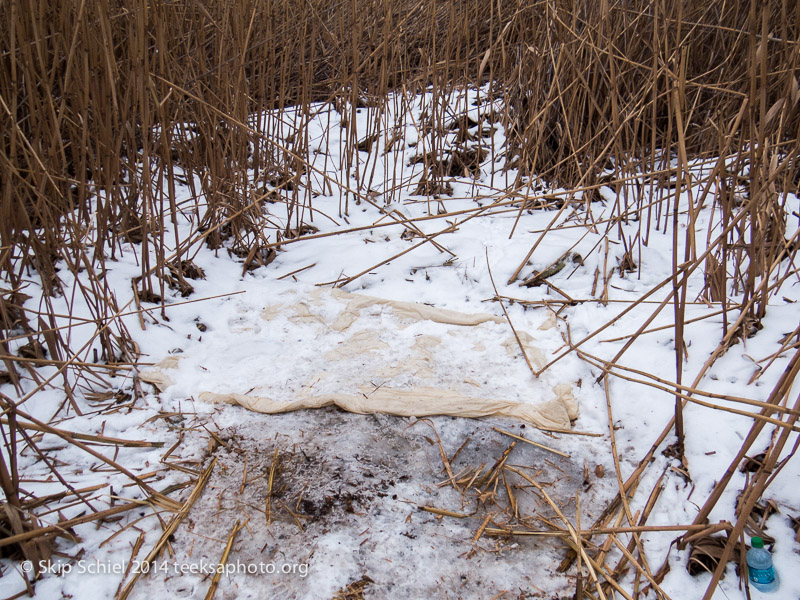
345, 518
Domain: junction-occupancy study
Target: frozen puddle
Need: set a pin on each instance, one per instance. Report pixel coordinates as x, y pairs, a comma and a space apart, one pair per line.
345, 510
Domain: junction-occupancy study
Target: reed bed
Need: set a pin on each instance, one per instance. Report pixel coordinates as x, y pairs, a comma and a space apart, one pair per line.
107, 106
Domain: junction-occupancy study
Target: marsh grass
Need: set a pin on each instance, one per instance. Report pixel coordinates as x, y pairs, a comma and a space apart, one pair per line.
106, 106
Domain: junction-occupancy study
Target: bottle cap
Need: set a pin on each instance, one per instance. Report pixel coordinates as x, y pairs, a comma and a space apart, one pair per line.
757, 542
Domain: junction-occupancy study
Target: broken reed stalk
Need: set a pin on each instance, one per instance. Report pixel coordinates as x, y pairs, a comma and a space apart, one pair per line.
169, 531
427, 239
508, 318
579, 567
86, 437
64, 526
497, 468
531, 442
621, 486
670, 326
137, 545
482, 528
442, 453
639, 568
443, 512
573, 539
270, 483
645, 515
687, 397
156, 496
212, 588
609, 530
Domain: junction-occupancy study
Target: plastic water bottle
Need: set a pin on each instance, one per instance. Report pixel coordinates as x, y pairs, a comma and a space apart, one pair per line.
760, 571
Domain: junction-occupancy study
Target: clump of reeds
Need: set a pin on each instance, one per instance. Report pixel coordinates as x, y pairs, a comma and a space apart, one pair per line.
108, 105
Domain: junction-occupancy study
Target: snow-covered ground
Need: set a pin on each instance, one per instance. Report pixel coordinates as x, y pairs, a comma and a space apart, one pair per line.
341, 503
